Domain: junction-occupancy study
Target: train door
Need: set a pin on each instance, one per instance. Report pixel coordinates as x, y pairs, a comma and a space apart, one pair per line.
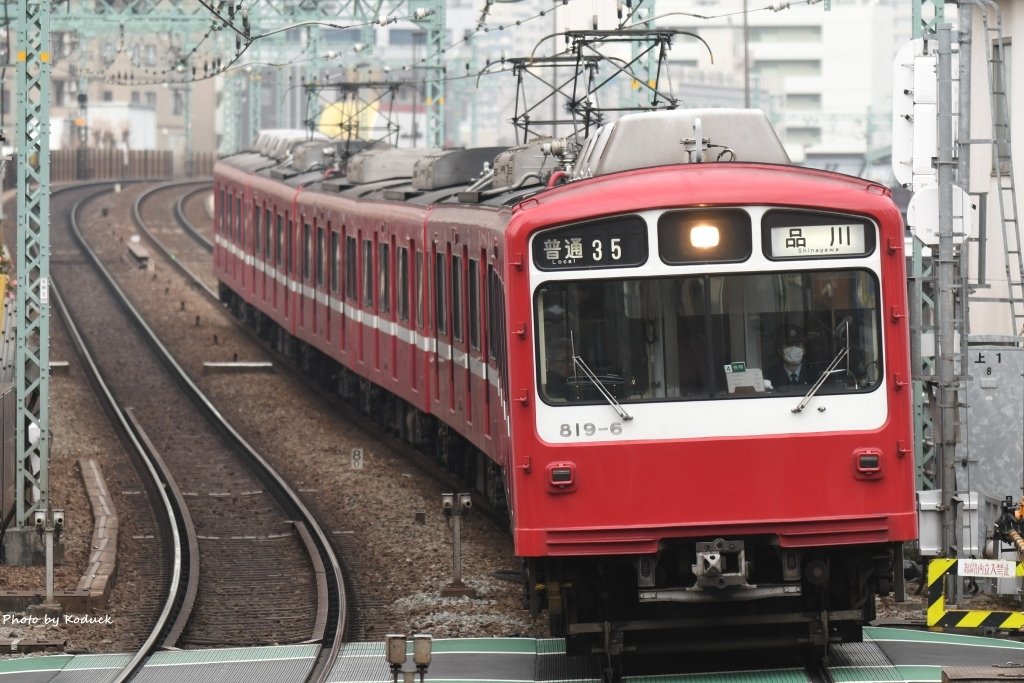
459, 367
418, 312
365, 330
218, 230
257, 251
497, 377
325, 281
248, 267
442, 370
307, 296
280, 284
351, 287
383, 329
310, 302
314, 280
239, 243
228, 227
474, 391
403, 357
286, 269
484, 311
268, 263
389, 282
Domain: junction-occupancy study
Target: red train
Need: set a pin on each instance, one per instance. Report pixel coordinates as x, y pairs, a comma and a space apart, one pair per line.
680, 361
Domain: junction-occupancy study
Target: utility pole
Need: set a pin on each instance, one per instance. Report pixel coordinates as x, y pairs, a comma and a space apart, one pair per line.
746, 57
430, 15
33, 292
945, 339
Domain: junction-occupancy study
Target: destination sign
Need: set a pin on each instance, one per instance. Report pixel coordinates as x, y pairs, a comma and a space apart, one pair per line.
619, 242
803, 241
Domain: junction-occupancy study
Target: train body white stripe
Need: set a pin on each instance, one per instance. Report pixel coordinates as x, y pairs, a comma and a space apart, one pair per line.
360, 316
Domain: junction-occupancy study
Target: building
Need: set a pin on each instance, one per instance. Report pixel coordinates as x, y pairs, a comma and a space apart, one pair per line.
827, 74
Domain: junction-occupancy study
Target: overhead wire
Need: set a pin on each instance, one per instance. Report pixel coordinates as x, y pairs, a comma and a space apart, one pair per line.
221, 68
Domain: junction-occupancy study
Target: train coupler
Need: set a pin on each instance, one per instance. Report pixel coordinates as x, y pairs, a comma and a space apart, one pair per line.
721, 564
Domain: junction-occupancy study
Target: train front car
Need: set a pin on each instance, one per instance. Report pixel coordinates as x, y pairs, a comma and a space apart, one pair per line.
710, 396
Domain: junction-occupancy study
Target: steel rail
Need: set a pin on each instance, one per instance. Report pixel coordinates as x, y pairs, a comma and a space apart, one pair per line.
179, 215
332, 596
159, 480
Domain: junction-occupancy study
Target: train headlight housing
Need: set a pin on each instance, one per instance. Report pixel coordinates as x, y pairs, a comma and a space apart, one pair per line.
561, 477
704, 236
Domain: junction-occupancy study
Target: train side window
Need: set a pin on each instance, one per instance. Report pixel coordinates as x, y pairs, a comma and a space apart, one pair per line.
474, 304
418, 275
335, 257
440, 320
384, 277
351, 278
402, 277
289, 248
367, 273
320, 244
280, 241
457, 297
268, 237
257, 242
307, 250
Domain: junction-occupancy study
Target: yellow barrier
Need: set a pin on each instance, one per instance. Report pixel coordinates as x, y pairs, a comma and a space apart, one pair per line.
940, 616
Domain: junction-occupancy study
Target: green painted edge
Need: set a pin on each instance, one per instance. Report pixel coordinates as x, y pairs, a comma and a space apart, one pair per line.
924, 674
46, 663
98, 661
234, 654
881, 633
495, 645
854, 674
793, 675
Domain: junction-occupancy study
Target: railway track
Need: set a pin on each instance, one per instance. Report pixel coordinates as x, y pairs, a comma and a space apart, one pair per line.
261, 570
172, 555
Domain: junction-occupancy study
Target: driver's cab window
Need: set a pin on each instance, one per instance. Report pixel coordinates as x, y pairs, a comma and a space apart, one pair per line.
707, 336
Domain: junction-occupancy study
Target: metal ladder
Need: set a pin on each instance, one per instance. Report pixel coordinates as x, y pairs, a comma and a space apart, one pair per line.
1002, 163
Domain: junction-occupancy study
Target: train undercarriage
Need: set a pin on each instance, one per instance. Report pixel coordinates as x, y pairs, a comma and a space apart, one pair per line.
713, 595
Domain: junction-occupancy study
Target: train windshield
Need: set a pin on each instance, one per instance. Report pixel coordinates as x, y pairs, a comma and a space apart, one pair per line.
708, 336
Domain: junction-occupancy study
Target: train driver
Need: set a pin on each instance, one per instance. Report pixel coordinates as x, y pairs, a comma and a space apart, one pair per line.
794, 371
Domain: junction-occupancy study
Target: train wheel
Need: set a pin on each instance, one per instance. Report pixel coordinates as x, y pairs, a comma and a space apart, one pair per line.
533, 587
557, 613
442, 446
494, 483
365, 397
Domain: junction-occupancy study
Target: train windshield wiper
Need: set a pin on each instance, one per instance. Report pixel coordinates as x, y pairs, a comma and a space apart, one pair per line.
578, 362
832, 369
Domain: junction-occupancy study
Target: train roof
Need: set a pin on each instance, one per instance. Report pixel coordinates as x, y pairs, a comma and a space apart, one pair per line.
678, 137
498, 176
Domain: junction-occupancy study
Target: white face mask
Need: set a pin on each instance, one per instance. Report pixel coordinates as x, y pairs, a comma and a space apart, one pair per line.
793, 354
